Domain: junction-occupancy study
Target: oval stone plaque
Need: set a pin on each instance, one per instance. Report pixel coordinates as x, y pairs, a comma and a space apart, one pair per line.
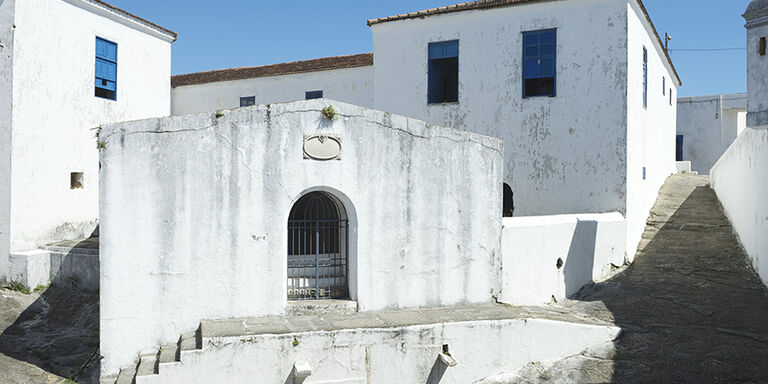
322, 147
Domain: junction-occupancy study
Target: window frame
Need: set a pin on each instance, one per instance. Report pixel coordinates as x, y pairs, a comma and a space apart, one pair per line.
97, 58
645, 77
430, 58
247, 100
311, 95
525, 76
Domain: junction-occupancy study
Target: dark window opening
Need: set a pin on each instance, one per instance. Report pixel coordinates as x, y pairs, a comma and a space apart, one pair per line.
509, 204
762, 46
247, 101
670, 96
645, 78
309, 95
644, 173
76, 180
539, 63
679, 148
443, 74
106, 69
663, 85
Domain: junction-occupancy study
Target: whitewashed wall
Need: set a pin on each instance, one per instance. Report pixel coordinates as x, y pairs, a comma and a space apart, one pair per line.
565, 154
405, 355
757, 70
587, 245
55, 110
351, 85
740, 179
6, 105
709, 124
201, 233
650, 131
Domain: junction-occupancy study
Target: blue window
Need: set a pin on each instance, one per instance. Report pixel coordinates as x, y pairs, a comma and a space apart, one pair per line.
539, 63
679, 148
644, 173
443, 76
309, 95
247, 101
645, 77
106, 69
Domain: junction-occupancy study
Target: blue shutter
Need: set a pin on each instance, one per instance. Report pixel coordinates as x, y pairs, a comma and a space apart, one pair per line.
106, 64
539, 54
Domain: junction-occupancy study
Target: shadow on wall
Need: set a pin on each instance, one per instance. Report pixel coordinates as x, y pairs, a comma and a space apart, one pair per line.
581, 257
58, 333
691, 308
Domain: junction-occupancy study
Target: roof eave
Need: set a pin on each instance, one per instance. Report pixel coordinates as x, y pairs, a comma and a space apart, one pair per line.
128, 19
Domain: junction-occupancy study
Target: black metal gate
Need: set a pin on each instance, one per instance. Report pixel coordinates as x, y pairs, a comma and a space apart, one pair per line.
317, 248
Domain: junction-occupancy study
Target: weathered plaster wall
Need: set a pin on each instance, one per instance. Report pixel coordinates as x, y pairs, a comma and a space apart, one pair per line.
351, 85
757, 72
586, 245
407, 355
740, 179
55, 110
650, 131
202, 233
7, 15
709, 124
565, 154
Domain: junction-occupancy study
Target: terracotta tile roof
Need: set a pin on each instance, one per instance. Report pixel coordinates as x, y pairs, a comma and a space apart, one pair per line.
485, 4
316, 65
136, 18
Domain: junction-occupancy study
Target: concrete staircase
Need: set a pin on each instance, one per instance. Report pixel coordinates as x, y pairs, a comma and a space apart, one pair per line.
147, 369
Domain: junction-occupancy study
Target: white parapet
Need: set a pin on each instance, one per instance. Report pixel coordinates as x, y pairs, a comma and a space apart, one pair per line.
546, 257
31, 268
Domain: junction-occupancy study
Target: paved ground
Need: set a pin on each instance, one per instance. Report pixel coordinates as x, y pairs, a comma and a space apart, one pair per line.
49, 336
692, 308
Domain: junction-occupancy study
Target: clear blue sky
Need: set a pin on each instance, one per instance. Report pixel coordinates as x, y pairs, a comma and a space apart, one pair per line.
236, 33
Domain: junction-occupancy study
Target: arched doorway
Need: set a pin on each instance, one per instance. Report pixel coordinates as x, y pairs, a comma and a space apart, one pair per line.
508, 209
318, 260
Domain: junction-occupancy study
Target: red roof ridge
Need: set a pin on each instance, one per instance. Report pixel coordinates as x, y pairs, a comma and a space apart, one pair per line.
289, 68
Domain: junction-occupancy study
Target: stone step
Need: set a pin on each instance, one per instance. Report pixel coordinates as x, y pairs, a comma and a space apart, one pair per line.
169, 353
189, 341
147, 365
126, 375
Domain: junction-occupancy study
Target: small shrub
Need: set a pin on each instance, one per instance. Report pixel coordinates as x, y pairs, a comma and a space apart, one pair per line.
40, 288
295, 342
219, 114
101, 145
19, 288
330, 113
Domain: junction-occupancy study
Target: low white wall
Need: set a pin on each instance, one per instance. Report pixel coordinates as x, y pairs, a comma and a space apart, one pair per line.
740, 179
6, 106
587, 245
407, 355
194, 213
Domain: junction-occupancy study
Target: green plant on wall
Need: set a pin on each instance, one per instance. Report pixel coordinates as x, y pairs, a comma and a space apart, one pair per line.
330, 113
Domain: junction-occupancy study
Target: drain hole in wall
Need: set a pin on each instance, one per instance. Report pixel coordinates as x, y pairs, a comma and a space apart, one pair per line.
559, 263
76, 180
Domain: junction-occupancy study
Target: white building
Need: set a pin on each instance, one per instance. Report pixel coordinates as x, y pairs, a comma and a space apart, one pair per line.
740, 177
67, 67
592, 131
706, 127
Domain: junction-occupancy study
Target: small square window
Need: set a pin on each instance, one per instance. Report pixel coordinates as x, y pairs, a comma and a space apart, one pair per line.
76, 180
309, 95
247, 101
